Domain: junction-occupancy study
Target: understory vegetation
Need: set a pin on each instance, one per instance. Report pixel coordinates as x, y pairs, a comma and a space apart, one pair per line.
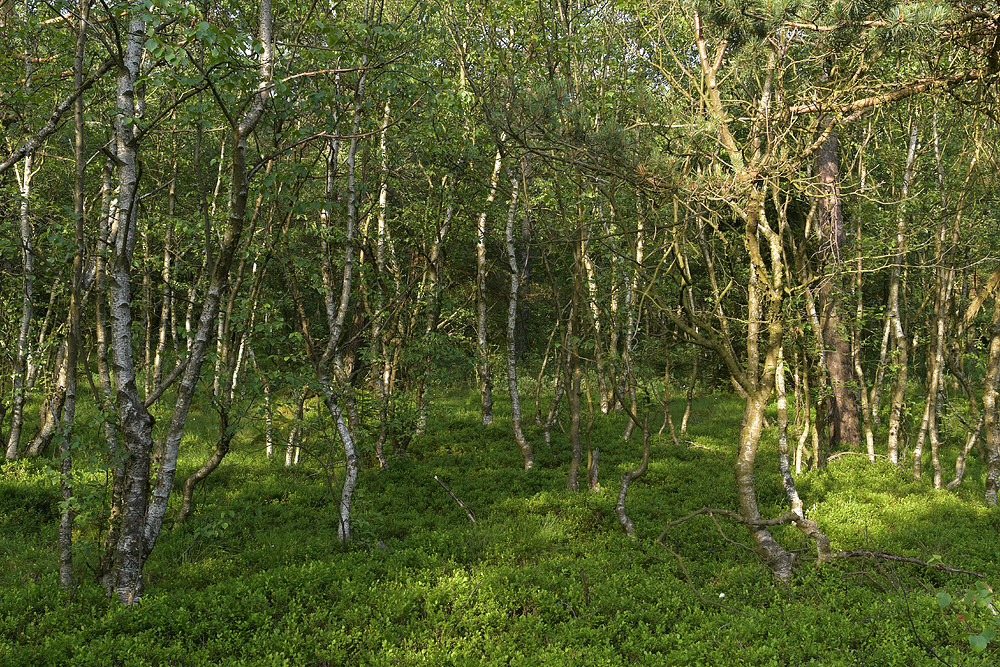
542, 576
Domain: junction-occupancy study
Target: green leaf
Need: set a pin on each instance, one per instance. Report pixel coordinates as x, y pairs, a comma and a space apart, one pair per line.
943, 600
979, 642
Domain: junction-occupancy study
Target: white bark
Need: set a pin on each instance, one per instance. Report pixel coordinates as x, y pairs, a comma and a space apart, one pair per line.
485, 377
516, 270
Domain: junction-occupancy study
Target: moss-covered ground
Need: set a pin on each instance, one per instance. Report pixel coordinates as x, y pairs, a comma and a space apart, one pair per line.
544, 576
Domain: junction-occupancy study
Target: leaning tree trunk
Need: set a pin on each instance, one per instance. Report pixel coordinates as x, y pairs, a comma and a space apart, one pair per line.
217, 283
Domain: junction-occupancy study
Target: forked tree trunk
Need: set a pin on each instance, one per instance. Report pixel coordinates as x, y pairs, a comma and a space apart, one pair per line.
141, 519
630, 477
124, 579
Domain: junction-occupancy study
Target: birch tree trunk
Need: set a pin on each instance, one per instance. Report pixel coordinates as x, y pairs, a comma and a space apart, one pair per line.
125, 576
633, 305
222, 264
141, 519
895, 312
73, 317
336, 309
22, 360
485, 377
516, 272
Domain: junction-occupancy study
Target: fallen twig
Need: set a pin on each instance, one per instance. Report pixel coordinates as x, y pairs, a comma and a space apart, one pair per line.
787, 517
869, 553
468, 512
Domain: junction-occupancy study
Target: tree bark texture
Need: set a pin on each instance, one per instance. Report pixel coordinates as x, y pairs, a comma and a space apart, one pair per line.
516, 272
842, 408
485, 377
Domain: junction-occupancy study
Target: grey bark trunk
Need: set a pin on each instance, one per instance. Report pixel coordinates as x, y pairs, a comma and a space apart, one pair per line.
125, 576
23, 355
516, 272
485, 376
895, 312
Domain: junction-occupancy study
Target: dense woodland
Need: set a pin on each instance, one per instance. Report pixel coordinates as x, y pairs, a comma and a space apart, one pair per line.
301, 234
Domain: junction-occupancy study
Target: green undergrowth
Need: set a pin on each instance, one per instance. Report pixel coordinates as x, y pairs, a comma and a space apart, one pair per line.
543, 576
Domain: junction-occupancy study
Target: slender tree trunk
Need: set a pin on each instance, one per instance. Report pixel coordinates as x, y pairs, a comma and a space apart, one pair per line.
217, 283
595, 321
668, 419
516, 272
991, 415
336, 310
125, 576
73, 317
383, 314
630, 477
291, 448
23, 357
634, 310
879, 384
575, 374
895, 312
689, 396
435, 271
485, 377
147, 316
221, 449
166, 293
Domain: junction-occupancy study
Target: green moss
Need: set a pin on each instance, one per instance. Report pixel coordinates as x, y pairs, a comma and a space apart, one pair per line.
257, 577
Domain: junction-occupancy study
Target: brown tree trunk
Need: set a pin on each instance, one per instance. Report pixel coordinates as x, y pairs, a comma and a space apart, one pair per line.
991, 414
842, 409
221, 449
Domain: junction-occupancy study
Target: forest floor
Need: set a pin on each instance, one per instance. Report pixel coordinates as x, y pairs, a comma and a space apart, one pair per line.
256, 576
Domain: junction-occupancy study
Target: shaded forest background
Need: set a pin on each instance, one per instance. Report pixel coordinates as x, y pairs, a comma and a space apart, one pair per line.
222, 214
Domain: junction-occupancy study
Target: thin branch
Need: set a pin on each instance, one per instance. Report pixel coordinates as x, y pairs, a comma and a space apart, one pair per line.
468, 512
